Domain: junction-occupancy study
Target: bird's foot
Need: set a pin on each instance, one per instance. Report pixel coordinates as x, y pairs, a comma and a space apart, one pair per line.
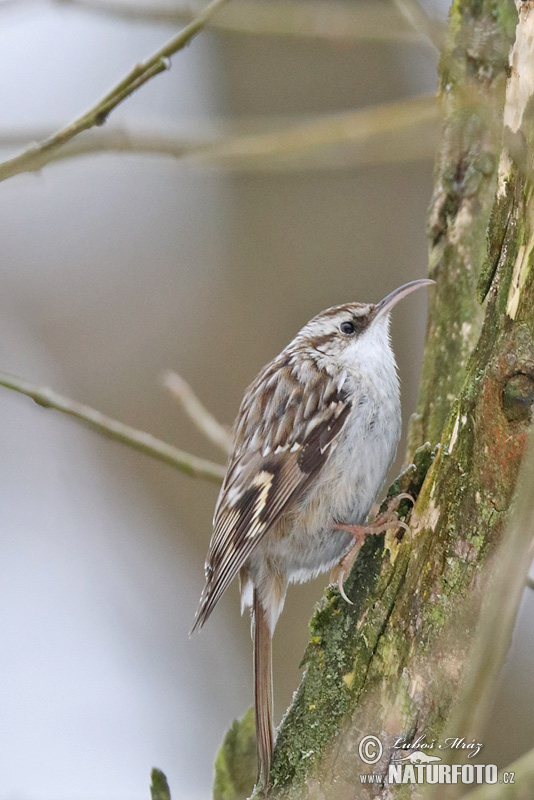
382, 522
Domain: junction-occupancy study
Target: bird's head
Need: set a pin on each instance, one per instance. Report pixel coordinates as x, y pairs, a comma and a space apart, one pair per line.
355, 334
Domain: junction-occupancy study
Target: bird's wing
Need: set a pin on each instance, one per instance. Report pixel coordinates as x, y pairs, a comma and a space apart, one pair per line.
282, 440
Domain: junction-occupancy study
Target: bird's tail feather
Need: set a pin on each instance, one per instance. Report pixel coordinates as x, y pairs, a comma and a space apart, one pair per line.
263, 688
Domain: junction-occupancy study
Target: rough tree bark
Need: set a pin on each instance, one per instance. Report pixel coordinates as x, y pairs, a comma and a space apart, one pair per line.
391, 664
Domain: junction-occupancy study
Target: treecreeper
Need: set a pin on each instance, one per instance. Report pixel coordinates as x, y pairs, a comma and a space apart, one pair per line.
314, 439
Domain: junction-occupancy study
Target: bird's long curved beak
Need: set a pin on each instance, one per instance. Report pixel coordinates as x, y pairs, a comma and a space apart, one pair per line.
390, 300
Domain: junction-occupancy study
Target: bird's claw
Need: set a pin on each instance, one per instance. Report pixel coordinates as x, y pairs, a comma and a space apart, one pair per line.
382, 522
341, 588
338, 576
395, 502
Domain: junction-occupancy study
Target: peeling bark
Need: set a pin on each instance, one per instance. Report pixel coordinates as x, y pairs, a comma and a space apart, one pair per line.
391, 664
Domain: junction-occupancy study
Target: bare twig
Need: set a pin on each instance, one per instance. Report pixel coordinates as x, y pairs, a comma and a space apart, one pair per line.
362, 21
422, 22
40, 154
379, 134
138, 440
197, 411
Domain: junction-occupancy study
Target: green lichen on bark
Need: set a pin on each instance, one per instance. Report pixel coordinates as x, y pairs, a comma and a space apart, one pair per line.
500, 237
326, 693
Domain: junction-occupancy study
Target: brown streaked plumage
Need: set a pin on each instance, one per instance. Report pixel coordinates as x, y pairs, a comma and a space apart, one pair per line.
313, 440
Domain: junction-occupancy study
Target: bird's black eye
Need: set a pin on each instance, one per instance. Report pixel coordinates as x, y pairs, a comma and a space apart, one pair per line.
346, 327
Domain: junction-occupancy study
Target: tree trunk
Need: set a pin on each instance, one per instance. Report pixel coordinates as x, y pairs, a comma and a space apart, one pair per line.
390, 665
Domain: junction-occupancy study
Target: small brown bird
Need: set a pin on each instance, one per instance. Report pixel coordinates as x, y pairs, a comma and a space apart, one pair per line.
314, 439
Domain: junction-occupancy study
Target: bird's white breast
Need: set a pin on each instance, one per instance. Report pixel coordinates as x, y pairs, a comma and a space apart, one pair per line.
350, 485
350, 481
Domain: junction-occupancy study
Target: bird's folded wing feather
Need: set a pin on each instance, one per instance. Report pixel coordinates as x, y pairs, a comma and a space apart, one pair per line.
282, 441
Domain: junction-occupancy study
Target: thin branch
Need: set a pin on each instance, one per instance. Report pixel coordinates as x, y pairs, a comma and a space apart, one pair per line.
520, 789
364, 21
40, 154
138, 440
197, 411
422, 22
375, 135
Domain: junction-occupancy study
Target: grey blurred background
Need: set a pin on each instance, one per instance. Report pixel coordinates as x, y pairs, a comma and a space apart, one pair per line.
113, 269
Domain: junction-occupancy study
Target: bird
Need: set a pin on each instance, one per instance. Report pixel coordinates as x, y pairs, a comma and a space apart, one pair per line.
314, 439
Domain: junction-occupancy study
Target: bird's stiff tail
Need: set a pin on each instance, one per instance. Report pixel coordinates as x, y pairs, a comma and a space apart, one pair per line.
263, 688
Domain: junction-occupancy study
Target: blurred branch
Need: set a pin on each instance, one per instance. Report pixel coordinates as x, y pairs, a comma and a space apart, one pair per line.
497, 621
422, 22
500, 612
40, 154
520, 789
379, 134
364, 21
197, 411
138, 440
